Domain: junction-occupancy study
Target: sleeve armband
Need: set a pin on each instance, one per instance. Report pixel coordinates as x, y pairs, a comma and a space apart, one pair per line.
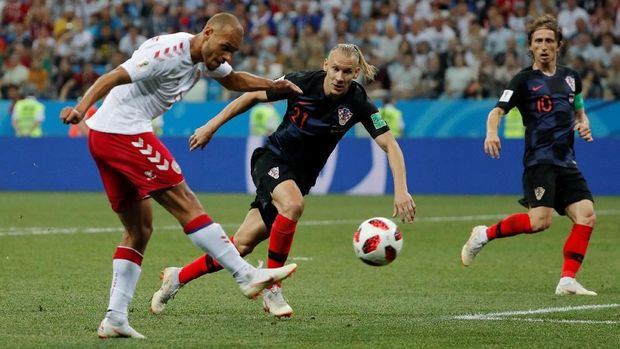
579, 101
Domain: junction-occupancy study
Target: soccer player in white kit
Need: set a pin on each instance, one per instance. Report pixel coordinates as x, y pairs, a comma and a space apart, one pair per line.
134, 165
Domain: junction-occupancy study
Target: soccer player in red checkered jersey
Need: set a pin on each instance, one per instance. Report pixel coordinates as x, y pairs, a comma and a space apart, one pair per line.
550, 99
288, 165
135, 166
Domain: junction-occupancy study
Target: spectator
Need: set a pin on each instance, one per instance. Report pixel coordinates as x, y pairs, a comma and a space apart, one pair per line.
65, 22
44, 40
612, 80
131, 41
14, 11
38, 79
607, 50
582, 47
389, 44
458, 78
431, 84
79, 83
417, 33
82, 42
63, 76
404, 77
105, 45
15, 73
19, 35
498, 36
439, 34
305, 17
158, 22
38, 18
568, 16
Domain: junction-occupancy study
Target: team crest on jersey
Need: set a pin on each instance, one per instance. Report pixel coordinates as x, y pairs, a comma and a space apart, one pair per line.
571, 82
175, 167
344, 115
149, 175
539, 192
274, 172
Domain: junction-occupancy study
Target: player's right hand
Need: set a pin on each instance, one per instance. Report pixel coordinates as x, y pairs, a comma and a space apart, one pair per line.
492, 146
69, 115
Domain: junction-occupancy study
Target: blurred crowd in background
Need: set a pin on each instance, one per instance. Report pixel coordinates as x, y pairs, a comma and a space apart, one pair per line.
423, 48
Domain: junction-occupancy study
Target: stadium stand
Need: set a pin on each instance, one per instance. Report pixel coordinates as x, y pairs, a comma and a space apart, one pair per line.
445, 48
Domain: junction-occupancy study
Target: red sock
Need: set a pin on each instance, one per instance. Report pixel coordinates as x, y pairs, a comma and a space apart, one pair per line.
515, 224
575, 249
204, 264
280, 241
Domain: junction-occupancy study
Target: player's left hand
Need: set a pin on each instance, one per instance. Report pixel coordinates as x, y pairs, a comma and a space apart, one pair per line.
201, 137
404, 207
583, 128
283, 86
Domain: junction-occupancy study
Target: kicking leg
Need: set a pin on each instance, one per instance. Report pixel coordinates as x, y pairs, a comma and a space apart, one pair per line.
251, 232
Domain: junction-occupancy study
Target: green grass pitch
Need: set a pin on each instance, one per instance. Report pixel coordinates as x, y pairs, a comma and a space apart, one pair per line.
55, 270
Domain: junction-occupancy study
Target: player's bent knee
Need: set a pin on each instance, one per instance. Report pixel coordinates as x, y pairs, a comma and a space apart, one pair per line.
540, 223
588, 219
293, 209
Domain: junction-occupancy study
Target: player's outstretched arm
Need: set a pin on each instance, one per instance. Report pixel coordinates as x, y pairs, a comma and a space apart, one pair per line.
404, 206
582, 125
492, 145
204, 133
100, 88
246, 82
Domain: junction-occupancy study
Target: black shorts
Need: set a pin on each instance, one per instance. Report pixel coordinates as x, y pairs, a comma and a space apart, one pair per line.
269, 170
553, 186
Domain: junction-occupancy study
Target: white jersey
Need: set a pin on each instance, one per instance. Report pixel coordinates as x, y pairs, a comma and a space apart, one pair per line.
161, 72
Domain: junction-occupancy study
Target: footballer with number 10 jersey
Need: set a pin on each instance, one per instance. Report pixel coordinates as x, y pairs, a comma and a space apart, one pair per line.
549, 98
547, 105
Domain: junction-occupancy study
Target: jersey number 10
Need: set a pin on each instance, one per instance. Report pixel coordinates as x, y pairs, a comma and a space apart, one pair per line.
544, 104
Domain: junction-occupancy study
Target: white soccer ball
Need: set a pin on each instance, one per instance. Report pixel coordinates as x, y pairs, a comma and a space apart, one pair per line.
377, 241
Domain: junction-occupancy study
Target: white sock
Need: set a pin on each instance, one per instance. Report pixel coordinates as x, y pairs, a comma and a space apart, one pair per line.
482, 234
125, 275
213, 240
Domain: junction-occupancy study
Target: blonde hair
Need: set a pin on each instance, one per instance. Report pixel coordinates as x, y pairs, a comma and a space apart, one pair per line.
368, 70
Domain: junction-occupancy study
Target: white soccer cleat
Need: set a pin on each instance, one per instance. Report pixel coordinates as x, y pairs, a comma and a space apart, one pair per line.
568, 286
107, 329
253, 283
169, 287
474, 244
275, 303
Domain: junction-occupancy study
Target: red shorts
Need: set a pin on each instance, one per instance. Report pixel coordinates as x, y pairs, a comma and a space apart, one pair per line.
132, 166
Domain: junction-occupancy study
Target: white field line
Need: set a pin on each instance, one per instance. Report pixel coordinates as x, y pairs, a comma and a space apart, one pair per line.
513, 315
21, 231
